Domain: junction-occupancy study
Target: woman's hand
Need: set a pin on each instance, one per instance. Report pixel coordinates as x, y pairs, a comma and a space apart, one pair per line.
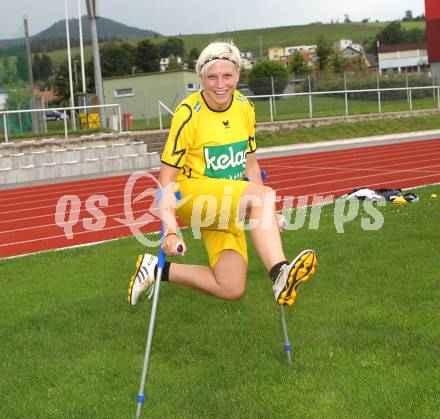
171, 243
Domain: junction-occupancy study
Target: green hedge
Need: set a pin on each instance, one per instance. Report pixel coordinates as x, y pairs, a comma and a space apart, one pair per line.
370, 82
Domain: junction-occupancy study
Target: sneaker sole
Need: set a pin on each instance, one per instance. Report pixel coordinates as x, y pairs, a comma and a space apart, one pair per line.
301, 272
132, 279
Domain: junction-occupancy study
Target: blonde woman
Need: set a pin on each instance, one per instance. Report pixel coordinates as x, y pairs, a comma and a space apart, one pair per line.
210, 148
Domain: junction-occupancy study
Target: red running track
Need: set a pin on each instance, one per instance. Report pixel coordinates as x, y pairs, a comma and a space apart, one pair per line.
35, 218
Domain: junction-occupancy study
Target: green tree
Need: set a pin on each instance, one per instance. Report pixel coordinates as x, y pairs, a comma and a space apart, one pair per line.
90, 76
36, 66
19, 95
117, 59
323, 51
359, 63
262, 74
244, 77
347, 19
298, 65
173, 64
46, 67
414, 35
147, 57
337, 61
22, 67
7, 71
408, 16
61, 84
193, 57
172, 47
394, 34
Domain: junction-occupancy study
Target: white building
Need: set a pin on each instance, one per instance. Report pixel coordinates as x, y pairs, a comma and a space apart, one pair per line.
290, 50
404, 57
247, 55
345, 43
165, 62
348, 43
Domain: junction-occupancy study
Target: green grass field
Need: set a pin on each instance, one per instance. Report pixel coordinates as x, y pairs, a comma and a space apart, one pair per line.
365, 332
346, 130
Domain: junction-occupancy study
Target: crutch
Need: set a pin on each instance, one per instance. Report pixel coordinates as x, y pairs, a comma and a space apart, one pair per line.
160, 266
287, 345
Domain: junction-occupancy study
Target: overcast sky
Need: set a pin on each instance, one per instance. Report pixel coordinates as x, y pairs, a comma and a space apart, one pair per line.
173, 17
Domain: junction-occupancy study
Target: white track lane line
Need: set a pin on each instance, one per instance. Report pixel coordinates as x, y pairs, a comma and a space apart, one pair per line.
118, 180
76, 234
273, 181
148, 233
324, 192
393, 159
327, 182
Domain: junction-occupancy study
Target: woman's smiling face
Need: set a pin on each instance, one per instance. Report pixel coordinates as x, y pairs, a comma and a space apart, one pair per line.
219, 84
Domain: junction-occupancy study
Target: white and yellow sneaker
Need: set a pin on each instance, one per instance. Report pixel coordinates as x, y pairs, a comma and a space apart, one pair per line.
143, 279
291, 276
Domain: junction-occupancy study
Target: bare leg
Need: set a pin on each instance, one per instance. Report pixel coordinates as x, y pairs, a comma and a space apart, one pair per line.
265, 234
227, 280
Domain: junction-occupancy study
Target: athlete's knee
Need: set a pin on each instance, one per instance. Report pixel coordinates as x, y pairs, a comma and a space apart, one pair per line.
233, 294
231, 286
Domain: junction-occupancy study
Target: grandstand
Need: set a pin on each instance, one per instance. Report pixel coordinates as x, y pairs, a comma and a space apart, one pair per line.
52, 159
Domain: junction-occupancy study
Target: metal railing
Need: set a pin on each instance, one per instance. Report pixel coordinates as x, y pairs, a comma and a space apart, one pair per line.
379, 92
64, 111
161, 105
346, 93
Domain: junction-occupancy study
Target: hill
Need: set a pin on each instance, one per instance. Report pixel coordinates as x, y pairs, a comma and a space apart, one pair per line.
107, 29
249, 40
55, 35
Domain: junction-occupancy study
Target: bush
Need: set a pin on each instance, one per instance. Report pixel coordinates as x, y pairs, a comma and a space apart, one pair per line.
370, 82
260, 78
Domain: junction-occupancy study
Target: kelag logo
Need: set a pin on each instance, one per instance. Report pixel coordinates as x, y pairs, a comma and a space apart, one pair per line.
225, 161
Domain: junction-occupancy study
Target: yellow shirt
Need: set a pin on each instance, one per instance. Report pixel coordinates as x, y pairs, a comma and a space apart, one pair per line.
208, 143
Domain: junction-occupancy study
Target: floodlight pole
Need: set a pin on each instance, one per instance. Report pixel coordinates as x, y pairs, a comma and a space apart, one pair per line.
30, 75
69, 63
92, 13
81, 46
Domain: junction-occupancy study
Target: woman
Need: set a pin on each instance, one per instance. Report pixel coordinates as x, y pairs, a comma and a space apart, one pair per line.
210, 148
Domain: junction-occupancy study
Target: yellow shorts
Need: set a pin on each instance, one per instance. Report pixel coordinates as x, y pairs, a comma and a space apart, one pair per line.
210, 208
